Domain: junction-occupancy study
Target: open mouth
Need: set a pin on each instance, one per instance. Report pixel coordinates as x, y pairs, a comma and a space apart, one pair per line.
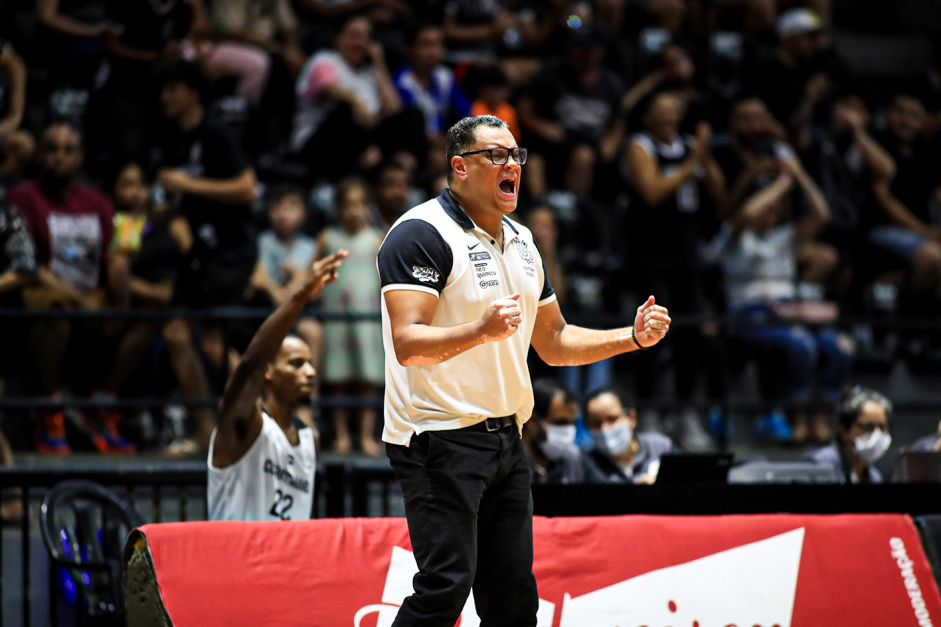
508, 186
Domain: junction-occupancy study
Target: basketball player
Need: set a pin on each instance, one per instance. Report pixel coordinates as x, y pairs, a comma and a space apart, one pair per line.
262, 458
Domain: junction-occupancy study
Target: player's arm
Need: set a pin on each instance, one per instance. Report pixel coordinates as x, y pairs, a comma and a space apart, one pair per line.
239, 420
561, 344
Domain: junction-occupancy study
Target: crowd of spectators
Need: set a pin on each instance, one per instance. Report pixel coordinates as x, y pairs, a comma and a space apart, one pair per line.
188, 154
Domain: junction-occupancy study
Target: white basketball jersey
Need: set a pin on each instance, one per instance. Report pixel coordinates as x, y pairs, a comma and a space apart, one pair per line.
273, 481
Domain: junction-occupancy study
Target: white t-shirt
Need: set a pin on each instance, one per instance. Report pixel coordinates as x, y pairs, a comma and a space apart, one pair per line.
272, 481
437, 249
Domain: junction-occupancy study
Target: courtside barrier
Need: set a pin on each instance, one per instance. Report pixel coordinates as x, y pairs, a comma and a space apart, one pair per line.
866, 570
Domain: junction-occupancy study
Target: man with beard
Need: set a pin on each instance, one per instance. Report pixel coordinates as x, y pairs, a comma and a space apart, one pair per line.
72, 226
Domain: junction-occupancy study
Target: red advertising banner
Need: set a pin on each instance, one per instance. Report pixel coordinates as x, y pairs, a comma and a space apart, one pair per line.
620, 571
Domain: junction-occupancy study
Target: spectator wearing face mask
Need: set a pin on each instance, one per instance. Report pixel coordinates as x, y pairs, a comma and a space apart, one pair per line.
862, 436
549, 438
623, 455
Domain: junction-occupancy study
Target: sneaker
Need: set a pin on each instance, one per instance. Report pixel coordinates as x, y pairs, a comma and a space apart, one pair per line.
50, 436
693, 437
115, 443
719, 425
774, 426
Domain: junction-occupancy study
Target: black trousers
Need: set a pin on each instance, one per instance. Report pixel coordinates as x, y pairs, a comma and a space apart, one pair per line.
470, 510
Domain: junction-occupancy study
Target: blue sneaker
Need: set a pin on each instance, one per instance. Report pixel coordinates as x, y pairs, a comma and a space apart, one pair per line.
774, 426
717, 424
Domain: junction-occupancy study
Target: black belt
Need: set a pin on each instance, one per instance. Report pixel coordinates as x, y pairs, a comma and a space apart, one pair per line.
494, 424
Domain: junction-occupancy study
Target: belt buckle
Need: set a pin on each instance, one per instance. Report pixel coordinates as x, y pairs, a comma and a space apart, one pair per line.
492, 424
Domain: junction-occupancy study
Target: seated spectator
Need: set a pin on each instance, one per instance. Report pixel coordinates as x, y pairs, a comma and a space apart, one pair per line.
756, 248
13, 94
849, 165
349, 114
353, 354
493, 97
428, 85
571, 115
284, 252
674, 186
907, 227
206, 175
18, 149
622, 454
799, 75
391, 195
862, 436
144, 257
72, 226
549, 438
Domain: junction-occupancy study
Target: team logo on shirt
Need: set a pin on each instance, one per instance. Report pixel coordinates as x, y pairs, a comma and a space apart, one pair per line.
525, 254
425, 274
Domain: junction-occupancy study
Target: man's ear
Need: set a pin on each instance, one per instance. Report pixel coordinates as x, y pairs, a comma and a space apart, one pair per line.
459, 166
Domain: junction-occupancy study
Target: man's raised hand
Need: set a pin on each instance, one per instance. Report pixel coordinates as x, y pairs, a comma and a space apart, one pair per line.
501, 319
651, 323
322, 272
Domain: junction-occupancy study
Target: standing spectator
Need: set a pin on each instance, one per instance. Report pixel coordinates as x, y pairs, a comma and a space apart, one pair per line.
68, 40
907, 227
673, 182
549, 438
124, 114
862, 436
284, 251
428, 85
622, 454
353, 358
72, 226
210, 179
348, 111
757, 249
571, 113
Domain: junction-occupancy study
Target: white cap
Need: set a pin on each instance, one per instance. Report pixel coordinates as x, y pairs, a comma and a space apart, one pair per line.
797, 22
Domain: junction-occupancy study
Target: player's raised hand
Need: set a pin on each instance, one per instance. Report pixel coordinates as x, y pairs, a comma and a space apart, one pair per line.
651, 323
322, 272
501, 319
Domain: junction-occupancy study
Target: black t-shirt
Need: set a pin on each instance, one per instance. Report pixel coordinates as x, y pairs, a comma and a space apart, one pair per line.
149, 25
584, 112
839, 168
220, 230
916, 176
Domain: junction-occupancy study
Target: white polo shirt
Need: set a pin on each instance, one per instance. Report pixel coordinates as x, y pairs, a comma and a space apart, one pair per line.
436, 248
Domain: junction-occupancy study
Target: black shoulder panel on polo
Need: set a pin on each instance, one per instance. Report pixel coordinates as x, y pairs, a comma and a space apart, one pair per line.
547, 289
415, 253
453, 209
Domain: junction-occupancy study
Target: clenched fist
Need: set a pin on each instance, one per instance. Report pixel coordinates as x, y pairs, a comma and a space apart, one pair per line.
501, 319
651, 323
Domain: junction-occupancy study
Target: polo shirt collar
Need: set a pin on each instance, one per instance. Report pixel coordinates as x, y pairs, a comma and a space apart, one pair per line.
454, 210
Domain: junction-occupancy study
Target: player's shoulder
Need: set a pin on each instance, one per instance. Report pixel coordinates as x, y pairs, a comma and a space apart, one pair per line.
426, 218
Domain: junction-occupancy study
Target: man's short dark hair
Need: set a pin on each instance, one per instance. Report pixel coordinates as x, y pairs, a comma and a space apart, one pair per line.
189, 73
462, 135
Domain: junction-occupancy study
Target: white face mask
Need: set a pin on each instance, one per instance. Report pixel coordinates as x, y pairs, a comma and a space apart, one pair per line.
872, 446
559, 438
613, 440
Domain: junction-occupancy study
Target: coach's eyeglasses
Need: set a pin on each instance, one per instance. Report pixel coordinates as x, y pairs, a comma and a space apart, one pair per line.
501, 155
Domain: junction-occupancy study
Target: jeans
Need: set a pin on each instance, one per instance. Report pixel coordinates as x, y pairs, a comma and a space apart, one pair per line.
469, 509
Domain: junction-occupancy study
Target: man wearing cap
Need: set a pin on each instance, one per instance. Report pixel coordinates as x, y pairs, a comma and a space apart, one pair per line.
465, 295
800, 74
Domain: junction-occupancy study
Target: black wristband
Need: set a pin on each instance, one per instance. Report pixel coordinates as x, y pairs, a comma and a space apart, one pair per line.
634, 337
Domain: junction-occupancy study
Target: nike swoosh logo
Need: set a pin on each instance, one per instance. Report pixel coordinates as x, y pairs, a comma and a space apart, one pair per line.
474, 246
